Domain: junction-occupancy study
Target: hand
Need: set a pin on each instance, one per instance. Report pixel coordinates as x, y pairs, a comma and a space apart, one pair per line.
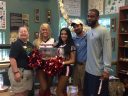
17, 77
63, 63
105, 75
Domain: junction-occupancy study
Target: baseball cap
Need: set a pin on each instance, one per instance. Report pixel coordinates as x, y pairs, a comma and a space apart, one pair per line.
76, 21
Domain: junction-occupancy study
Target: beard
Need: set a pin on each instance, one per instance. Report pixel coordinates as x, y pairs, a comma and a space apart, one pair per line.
91, 23
79, 31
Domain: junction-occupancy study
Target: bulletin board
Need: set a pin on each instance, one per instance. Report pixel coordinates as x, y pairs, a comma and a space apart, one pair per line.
73, 7
112, 6
97, 4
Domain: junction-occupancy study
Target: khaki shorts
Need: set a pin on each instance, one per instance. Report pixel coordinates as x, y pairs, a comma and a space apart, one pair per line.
78, 75
26, 82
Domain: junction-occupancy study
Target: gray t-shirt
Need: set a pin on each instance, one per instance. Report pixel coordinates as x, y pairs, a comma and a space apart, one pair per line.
98, 50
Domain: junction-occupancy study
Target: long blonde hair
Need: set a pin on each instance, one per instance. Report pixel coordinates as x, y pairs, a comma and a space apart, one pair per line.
40, 39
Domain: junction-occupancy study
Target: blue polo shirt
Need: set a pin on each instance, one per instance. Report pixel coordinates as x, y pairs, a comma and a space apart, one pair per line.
81, 48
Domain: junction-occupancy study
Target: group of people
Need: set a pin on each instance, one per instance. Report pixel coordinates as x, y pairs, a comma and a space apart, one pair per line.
87, 55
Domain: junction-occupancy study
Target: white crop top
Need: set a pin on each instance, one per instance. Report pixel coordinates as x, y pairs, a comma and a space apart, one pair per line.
48, 44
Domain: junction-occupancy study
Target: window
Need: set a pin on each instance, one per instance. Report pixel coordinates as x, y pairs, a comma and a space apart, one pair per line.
2, 37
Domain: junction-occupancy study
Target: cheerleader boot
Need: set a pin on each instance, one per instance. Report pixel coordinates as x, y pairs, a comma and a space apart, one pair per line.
48, 93
65, 94
40, 94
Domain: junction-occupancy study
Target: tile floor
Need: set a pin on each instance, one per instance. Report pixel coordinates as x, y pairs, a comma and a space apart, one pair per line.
71, 91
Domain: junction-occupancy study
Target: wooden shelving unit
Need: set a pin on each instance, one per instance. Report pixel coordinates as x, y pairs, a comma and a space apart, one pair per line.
122, 67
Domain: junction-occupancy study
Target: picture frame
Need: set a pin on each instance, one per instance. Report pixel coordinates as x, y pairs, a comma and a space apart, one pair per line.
25, 19
36, 35
37, 15
113, 25
49, 16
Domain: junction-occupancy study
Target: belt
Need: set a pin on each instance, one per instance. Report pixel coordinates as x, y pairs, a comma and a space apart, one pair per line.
80, 63
23, 68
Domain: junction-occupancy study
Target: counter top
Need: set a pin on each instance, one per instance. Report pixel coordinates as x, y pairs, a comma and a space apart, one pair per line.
4, 65
6, 93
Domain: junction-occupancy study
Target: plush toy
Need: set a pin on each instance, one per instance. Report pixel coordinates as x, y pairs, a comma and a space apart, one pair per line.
13, 36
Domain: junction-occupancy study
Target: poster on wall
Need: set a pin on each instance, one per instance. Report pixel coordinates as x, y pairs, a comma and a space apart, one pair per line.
73, 7
2, 15
112, 6
15, 21
25, 19
97, 4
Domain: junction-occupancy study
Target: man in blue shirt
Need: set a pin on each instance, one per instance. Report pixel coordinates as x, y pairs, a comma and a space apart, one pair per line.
80, 43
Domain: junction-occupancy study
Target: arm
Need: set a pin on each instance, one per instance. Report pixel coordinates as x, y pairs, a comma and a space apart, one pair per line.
71, 58
13, 65
15, 70
14, 53
107, 52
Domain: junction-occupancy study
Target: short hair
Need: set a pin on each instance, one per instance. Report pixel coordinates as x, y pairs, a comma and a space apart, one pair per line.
96, 11
23, 26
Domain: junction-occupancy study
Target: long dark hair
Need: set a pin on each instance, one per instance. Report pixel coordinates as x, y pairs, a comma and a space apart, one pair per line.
69, 42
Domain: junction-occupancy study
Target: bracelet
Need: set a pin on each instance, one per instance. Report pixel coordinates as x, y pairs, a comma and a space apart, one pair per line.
16, 72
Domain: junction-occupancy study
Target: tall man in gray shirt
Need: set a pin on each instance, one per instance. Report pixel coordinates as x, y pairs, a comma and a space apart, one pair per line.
98, 57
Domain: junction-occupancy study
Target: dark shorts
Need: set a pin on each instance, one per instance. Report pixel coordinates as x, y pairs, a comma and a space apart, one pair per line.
67, 70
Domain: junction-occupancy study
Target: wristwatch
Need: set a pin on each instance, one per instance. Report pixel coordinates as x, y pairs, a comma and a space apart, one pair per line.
16, 72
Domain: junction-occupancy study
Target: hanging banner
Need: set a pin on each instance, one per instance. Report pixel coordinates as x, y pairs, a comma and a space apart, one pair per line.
2, 15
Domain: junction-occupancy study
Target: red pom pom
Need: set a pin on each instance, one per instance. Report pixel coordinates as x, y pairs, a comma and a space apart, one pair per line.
35, 59
53, 66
